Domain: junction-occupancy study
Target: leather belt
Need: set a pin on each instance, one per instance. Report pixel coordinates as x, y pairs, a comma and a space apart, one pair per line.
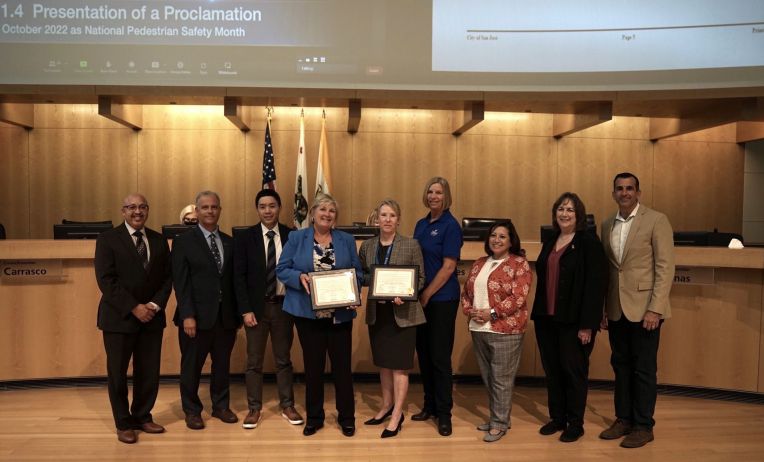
276, 299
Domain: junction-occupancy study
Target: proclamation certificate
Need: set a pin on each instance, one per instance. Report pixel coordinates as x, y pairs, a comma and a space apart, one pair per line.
334, 289
388, 282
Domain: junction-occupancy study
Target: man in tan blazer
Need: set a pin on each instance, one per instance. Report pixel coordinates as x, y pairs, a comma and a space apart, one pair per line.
639, 244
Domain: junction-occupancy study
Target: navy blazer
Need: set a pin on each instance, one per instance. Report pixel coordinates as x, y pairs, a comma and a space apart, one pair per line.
200, 289
249, 268
124, 282
581, 284
297, 258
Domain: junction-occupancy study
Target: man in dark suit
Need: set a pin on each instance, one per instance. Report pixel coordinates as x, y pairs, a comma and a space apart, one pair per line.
260, 297
202, 270
132, 267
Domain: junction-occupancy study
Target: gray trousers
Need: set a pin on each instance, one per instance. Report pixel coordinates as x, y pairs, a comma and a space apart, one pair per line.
280, 326
498, 356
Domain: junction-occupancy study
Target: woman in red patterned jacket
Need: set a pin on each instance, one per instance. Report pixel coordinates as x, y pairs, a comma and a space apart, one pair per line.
494, 300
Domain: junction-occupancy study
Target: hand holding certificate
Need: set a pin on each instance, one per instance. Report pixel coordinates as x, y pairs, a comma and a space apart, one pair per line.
389, 282
334, 289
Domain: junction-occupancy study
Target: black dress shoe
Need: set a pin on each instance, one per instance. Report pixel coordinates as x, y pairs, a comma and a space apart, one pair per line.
552, 427
375, 421
444, 427
311, 429
422, 416
390, 433
572, 433
348, 430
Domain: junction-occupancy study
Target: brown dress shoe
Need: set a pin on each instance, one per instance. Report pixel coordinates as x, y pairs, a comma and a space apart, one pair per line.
151, 427
252, 419
637, 438
292, 416
194, 421
225, 415
127, 436
617, 430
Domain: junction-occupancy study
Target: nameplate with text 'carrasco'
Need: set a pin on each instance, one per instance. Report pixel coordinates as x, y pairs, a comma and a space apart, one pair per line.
694, 275
30, 270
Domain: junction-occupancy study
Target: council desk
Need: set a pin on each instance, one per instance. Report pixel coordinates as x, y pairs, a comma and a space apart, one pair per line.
714, 338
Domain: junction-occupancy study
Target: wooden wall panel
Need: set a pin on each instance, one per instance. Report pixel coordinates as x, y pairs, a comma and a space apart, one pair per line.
14, 181
79, 174
507, 176
406, 121
514, 123
622, 128
186, 118
721, 134
398, 165
175, 165
72, 116
700, 185
587, 167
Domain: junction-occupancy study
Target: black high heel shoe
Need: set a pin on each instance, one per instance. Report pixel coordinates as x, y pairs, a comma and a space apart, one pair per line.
374, 421
390, 433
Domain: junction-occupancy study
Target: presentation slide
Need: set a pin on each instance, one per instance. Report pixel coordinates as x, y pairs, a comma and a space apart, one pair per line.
595, 35
489, 45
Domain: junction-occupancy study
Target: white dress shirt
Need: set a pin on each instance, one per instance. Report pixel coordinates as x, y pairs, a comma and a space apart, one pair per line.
621, 228
280, 289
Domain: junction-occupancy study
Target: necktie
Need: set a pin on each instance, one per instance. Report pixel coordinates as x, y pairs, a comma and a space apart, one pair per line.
270, 266
216, 253
140, 246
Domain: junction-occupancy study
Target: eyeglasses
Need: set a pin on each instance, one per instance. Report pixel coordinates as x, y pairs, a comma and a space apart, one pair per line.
134, 207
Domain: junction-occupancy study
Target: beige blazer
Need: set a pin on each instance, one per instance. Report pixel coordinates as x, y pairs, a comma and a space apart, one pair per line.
642, 280
406, 251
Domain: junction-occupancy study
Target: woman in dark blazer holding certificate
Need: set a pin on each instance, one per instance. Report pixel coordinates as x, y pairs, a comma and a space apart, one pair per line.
570, 291
392, 324
320, 247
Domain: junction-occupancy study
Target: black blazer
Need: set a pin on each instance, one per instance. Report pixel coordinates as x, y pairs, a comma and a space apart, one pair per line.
200, 290
124, 283
581, 285
249, 268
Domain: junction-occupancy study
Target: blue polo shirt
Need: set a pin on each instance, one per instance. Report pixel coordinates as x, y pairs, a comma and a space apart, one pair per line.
439, 239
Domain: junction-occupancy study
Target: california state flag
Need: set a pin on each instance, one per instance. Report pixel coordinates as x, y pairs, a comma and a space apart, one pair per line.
300, 219
323, 178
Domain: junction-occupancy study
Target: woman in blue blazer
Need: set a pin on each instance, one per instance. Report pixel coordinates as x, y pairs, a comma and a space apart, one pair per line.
320, 247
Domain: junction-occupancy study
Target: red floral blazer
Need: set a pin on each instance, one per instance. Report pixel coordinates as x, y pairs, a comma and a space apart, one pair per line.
508, 287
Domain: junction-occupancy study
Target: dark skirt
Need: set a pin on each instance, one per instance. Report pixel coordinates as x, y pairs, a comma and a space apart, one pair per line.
392, 347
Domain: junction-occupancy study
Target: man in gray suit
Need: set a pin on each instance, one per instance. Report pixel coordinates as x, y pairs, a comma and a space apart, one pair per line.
207, 320
639, 244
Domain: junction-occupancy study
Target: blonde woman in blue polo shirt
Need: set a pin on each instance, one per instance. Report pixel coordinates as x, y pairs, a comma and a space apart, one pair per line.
440, 237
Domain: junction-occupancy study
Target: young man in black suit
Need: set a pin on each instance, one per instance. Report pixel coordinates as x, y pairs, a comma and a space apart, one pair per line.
132, 267
260, 297
202, 270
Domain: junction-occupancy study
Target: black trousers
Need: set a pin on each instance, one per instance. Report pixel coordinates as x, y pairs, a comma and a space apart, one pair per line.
317, 338
218, 344
566, 366
145, 347
635, 362
434, 345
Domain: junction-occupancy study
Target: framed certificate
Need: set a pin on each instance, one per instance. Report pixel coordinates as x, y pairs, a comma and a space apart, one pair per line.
388, 282
334, 289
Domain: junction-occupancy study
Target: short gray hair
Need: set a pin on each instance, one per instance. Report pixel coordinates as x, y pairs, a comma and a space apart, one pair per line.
206, 193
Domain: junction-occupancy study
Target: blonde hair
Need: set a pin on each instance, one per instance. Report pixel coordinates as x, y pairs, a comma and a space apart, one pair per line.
320, 199
446, 191
392, 203
185, 211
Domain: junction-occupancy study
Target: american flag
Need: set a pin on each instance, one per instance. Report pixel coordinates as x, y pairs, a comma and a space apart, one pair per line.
269, 165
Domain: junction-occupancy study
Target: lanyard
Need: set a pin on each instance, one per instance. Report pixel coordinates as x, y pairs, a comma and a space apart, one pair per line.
387, 254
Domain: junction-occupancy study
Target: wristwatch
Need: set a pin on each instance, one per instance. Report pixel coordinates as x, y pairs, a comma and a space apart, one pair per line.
494, 316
